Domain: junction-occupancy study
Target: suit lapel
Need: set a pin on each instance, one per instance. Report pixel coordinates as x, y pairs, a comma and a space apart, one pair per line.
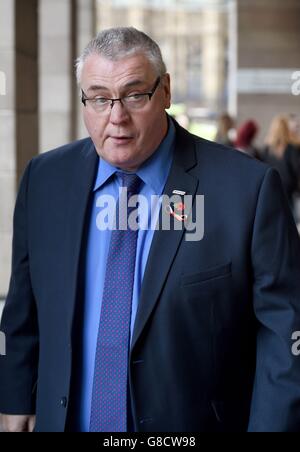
81, 185
165, 243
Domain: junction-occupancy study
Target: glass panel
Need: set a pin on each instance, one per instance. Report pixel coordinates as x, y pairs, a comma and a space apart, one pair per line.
193, 36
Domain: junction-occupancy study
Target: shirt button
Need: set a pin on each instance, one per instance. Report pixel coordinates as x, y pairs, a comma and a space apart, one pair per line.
64, 402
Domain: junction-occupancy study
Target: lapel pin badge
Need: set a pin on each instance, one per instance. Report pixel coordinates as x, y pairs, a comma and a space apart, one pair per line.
179, 192
177, 211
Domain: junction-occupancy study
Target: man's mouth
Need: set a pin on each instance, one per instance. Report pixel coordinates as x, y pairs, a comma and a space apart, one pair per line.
123, 139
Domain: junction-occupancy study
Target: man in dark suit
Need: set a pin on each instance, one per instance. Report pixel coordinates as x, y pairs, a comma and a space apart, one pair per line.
207, 343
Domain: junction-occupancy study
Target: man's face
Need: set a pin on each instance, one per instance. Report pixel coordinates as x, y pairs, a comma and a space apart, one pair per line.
125, 138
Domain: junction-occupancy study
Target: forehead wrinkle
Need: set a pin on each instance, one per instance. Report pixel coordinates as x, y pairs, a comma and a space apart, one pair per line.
104, 73
130, 84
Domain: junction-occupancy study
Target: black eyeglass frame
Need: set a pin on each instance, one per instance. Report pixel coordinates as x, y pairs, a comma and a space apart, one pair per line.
151, 93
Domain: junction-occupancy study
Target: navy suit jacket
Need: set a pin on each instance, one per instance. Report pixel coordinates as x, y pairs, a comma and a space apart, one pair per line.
211, 348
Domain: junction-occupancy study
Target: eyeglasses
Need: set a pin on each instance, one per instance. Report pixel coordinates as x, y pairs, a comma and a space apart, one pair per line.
132, 102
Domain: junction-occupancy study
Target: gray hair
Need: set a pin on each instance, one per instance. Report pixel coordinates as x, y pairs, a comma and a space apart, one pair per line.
117, 43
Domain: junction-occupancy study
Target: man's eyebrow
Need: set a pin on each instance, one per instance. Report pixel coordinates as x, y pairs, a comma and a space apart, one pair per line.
134, 83
97, 88
127, 85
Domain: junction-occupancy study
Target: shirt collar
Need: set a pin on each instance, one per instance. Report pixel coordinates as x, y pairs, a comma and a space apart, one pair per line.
105, 171
153, 172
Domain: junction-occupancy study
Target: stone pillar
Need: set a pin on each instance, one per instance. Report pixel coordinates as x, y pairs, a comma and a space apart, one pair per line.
268, 55
7, 137
55, 73
213, 55
26, 82
66, 26
86, 20
232, 58
57, 30
182, 54
18, 111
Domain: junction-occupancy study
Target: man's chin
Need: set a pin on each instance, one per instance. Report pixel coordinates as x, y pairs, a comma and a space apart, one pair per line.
123, 162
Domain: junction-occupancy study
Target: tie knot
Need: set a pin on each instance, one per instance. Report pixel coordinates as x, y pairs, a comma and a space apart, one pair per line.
131, 181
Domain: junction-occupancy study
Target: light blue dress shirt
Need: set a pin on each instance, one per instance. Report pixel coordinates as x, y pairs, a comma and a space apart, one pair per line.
154, 174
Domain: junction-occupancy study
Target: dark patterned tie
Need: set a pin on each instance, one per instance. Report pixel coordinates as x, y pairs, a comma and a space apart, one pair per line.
109, 397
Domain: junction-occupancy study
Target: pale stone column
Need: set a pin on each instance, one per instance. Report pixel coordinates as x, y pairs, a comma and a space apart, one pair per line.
66, 26
7, 138
26, 82
86, 30
55, 73
181, 52
213, 51
18, 112
232, 58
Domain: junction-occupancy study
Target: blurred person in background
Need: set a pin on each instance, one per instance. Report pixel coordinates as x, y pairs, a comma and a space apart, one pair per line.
226, 132
281, 154
246, 134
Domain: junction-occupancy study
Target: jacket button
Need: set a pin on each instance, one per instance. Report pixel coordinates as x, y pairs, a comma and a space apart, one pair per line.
64, 402
138, 361
147, 420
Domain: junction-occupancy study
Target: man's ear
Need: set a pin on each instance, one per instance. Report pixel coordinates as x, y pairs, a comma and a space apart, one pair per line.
167, 90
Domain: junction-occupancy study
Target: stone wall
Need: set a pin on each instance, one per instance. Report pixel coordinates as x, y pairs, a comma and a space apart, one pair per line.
39, 102
268, 54
8, 165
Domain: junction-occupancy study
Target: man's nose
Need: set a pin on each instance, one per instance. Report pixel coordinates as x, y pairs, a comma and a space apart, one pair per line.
118, 113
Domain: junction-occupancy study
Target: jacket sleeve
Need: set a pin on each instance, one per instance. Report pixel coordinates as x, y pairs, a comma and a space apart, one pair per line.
276, 267
295, 164
18, 368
